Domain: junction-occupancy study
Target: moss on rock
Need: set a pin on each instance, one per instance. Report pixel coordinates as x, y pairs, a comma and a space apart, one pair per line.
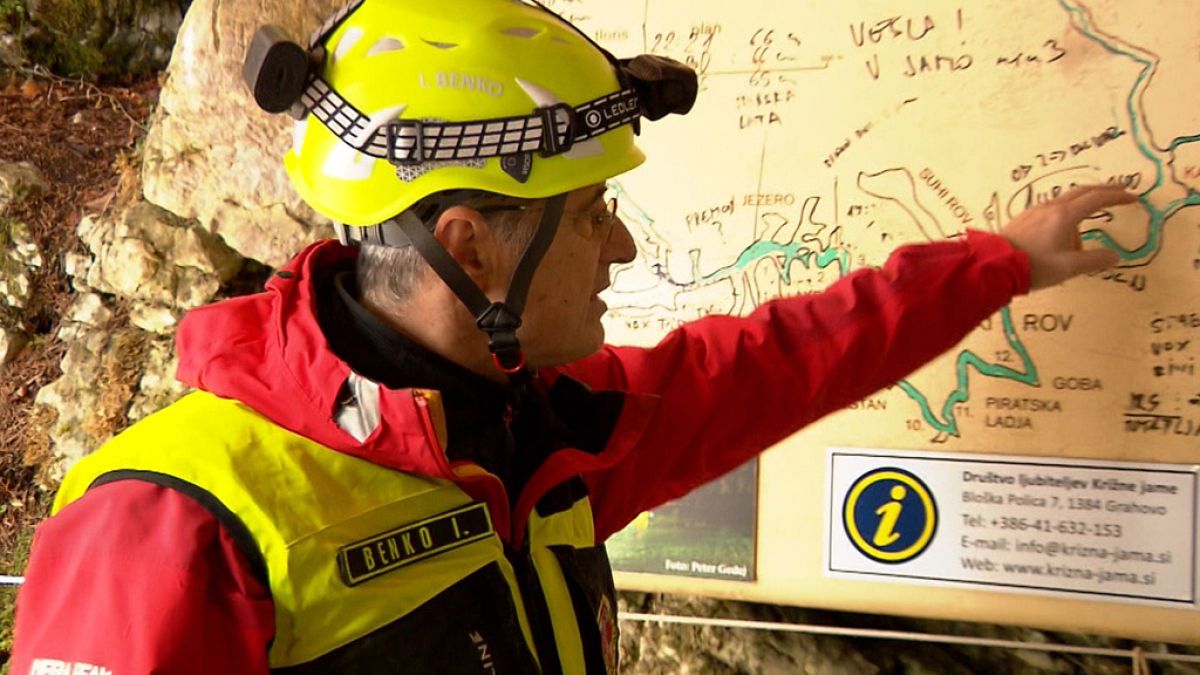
94, 38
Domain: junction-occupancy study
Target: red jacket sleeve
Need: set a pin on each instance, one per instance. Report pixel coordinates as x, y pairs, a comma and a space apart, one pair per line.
135, 578
732, 387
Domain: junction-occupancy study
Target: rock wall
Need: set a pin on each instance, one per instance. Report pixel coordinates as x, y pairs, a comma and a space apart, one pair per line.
211, 154
216, 203
158, 266
20, 256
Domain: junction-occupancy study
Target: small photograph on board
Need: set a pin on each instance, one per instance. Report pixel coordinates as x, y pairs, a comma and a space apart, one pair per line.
710, 533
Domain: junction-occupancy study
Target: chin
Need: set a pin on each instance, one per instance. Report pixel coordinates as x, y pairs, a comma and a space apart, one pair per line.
576, 350
599, 339
587, 350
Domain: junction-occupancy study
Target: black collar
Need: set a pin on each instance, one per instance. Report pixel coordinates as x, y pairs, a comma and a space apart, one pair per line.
476, 408
508, 431
380, 353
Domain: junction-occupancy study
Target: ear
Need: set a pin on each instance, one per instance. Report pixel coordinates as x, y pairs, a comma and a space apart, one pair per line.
475, 245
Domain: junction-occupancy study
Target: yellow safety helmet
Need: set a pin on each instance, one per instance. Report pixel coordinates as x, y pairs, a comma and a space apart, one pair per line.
391, 60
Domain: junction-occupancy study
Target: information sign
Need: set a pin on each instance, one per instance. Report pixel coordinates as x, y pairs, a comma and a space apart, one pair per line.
1120, 531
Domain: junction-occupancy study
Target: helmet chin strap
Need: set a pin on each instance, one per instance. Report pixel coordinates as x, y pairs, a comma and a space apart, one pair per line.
500, 320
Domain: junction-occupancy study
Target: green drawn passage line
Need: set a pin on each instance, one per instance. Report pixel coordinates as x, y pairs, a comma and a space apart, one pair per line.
1157, 216
948, 423
1181, 141
628, 205
791, 252
1131, 102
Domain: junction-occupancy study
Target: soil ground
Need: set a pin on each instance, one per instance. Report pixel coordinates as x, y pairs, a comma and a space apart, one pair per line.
84, 138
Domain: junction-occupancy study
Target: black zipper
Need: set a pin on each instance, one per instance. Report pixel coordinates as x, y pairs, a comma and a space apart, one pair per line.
536, 609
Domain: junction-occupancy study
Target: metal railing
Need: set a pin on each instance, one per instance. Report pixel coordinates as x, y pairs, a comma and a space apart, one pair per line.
1138, 657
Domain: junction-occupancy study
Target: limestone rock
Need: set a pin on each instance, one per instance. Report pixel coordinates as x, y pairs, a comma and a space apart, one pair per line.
71, 396
101, 373
112, 374
158, 387
16, 180
269, 234
88, 309
11, 54
20, 252
12, 341
14, 286
19, 260
149, 255
87, 314
154, 318
211, 153
22, 249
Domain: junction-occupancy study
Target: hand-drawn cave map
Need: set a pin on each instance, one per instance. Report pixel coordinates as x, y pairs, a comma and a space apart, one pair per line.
827, 134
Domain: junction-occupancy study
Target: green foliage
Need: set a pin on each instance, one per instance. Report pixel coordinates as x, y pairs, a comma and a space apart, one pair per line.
13, 16
91, 38
674, 538
12, 561
65, 37
64, 56
12, 8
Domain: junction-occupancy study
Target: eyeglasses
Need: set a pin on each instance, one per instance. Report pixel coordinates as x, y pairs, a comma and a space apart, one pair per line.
604, 220
608, 217
494, 208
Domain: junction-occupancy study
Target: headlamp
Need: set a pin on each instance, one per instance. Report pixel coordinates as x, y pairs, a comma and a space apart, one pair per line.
663, 85
280, 73
276, 69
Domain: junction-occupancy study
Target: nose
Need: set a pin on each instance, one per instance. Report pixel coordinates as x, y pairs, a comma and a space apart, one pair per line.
620, 247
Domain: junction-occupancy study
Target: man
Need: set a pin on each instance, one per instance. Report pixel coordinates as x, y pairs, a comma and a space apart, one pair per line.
406, 455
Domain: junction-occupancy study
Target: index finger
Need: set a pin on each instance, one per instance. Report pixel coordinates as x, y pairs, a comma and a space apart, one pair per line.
1085, 200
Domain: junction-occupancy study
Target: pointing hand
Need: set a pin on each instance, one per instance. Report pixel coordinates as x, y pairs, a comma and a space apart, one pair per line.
1049, 234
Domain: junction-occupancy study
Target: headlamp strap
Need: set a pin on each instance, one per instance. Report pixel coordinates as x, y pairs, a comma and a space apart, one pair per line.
332, 23
548, 131
443, 264
500, 320
283, 76
535, 250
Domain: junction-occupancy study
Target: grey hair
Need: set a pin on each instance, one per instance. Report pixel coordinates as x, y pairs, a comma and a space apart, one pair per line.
387, 275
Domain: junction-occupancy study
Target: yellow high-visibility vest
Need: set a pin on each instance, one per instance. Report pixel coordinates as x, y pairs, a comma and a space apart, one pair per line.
371, 569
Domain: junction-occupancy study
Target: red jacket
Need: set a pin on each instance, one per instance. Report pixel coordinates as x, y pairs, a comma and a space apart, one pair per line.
138, 578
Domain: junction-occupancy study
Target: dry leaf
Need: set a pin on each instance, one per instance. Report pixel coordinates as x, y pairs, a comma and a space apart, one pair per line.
32, 89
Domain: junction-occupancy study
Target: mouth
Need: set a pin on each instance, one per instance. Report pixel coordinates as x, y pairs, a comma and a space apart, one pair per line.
596, 295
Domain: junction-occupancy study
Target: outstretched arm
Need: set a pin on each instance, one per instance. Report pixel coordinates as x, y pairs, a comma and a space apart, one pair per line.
731, 387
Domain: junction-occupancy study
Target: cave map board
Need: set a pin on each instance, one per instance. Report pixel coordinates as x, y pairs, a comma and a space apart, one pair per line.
825, 135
